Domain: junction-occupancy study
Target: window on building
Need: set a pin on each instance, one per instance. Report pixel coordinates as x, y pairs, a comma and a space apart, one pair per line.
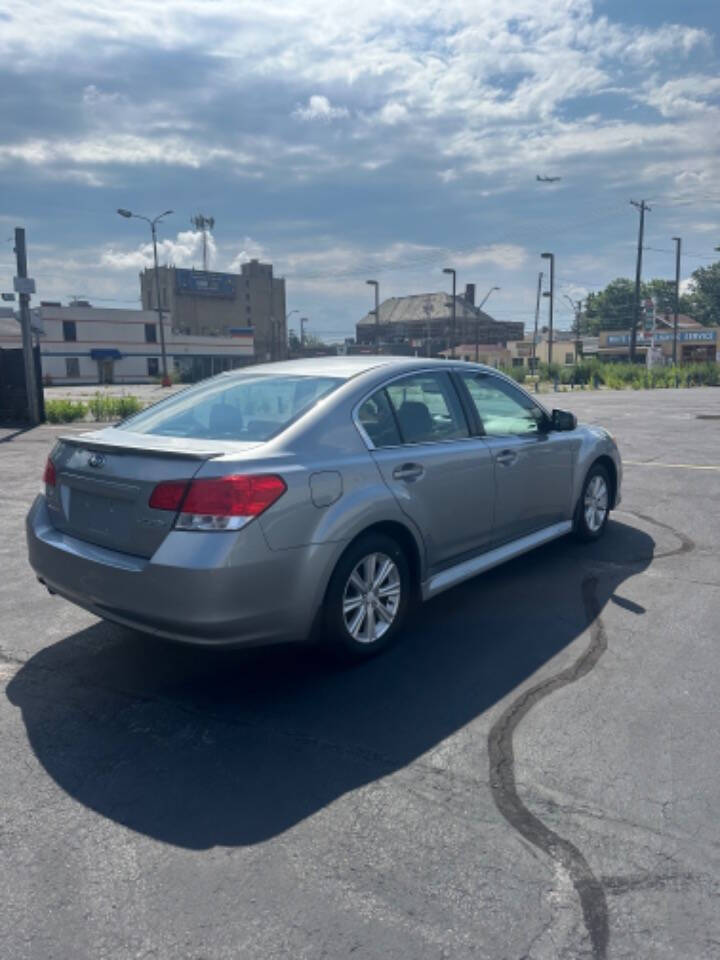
153, 366
150, 333
72, 367
517, 361
69, 330
569, 358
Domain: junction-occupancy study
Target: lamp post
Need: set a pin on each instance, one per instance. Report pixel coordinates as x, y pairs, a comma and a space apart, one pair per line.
551, 294
452, 328
535, 330
287, 333
678, 244
477, 323
153, 225
375, 283
303, 321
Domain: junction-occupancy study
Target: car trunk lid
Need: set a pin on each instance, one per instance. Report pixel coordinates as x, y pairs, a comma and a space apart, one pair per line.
104, 481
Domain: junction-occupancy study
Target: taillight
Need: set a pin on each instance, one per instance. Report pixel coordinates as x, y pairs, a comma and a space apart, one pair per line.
49, 476
218, 503
168, 495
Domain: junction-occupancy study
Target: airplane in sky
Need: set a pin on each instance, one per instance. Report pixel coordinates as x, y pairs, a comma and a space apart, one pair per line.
547, 179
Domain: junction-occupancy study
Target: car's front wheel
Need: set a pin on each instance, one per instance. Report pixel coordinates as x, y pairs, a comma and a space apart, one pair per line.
367, 599
593, 507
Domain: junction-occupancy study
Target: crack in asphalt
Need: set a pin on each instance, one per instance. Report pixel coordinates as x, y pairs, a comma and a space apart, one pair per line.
503, 786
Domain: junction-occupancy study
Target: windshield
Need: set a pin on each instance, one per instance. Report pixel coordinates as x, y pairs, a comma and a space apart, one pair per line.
249, 407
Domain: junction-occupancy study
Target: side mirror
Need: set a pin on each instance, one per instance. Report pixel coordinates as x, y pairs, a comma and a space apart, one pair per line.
563, 420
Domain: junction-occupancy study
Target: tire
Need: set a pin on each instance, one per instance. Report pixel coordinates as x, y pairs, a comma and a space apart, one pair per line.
593, 508
358, 622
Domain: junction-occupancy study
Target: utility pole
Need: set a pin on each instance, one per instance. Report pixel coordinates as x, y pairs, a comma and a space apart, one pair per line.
678, 244
303, 321
454, 307
376, 311
535, 331
551, 295
642, 207
24, 287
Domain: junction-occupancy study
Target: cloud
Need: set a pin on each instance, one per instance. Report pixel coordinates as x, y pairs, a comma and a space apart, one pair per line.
249, 250
184, 251
394, 135
319, 108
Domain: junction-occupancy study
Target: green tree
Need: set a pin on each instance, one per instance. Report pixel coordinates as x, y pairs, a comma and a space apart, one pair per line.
704, 295
609, 309
663, 293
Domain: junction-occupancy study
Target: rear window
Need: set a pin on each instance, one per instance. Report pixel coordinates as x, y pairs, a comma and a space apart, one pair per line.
245, 407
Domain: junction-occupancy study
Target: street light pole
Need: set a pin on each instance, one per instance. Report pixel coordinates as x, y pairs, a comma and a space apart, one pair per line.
375, 283
454, 304
153, 230
477, 323
551, 258
535, 331
303, 321
678, 244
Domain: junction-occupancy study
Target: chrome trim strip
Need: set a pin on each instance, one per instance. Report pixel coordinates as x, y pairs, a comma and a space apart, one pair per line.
493, 558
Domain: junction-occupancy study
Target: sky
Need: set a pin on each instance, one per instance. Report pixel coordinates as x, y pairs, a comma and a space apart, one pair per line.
347, 141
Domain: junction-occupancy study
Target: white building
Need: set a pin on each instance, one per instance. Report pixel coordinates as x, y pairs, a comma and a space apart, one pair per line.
81, 344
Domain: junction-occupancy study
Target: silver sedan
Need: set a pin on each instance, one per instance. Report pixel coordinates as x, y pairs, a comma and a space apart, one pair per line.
313, 498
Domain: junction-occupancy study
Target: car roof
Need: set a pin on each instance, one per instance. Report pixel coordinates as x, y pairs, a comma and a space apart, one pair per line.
346, 366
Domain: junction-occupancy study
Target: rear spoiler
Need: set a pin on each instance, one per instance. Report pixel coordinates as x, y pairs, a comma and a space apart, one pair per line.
88, 443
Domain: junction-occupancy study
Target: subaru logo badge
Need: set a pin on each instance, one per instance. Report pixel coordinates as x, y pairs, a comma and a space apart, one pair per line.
96, 460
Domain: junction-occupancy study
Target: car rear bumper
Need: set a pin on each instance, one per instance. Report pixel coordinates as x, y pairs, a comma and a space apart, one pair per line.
203, 588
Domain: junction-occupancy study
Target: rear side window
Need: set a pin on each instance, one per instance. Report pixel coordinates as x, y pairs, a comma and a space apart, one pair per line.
378, 421
248, 407
427, 408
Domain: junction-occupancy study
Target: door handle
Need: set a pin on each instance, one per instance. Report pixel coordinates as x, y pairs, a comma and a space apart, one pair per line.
408, 471
506, 457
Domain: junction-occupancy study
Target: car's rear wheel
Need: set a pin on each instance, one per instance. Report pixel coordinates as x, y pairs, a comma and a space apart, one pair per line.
367, 598
593, 508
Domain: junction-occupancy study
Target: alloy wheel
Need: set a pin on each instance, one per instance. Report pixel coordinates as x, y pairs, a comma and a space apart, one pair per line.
596, 503
371, 598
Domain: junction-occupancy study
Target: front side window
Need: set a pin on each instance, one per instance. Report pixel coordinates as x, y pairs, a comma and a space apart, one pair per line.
150, 333
503, 409
69, 330
153, 366
72, 367
244, 407
427, 408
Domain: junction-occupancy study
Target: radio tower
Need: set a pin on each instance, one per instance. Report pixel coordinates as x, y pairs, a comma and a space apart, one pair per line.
203, 224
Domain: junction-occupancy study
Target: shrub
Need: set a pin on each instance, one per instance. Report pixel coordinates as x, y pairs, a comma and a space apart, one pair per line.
104, 407
65, 411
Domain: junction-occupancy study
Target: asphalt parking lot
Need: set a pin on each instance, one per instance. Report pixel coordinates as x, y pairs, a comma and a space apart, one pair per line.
531, 775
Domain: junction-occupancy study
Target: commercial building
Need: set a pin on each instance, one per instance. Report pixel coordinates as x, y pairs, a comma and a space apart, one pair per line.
205, 303
81, 344
695, 343
566, 350
422, 323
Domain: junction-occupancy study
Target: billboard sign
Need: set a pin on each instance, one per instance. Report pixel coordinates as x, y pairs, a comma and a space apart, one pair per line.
684, 336
202, 283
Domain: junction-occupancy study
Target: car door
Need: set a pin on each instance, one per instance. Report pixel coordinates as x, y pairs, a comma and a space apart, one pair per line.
533, 465
441, 476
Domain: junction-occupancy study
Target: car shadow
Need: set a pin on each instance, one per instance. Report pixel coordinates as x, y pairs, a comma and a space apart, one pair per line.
199, 747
